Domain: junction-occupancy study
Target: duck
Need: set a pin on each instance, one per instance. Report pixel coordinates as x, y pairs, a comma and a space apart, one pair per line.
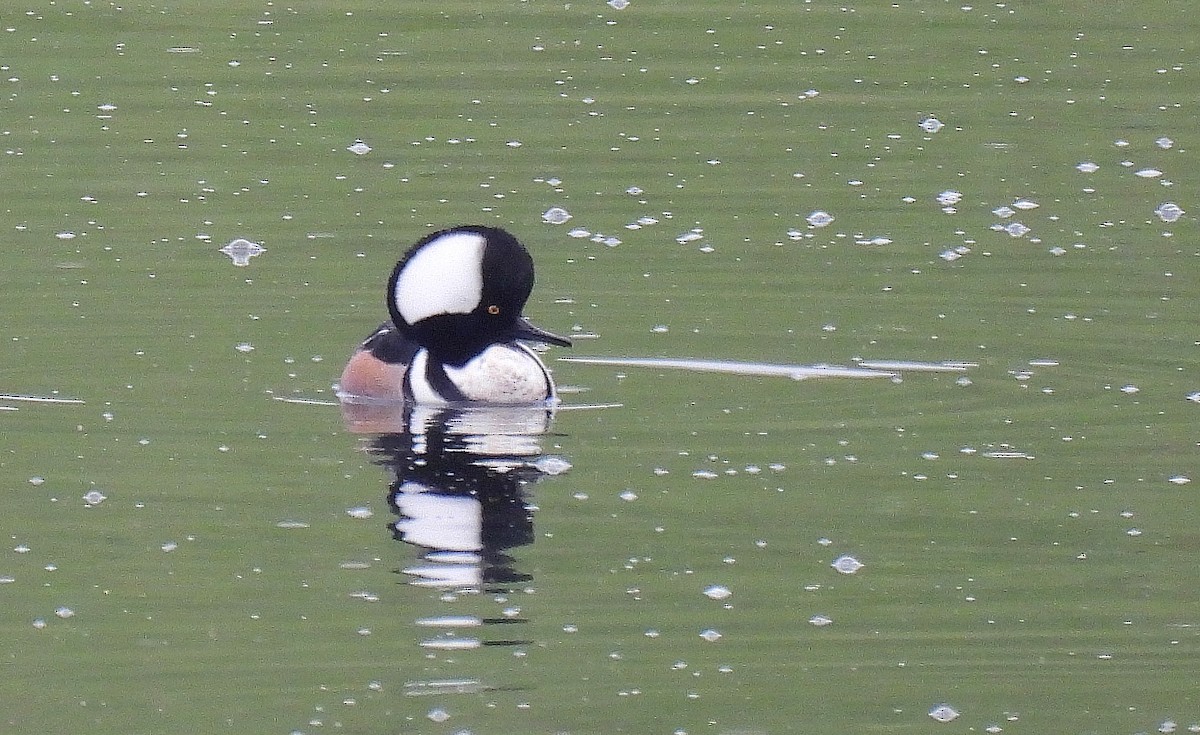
456, 333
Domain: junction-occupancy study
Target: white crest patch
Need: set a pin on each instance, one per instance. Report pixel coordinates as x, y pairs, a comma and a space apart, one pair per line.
443, 277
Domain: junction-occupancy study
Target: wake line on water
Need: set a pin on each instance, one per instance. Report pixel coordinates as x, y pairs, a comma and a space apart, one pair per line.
38, 399
864, 368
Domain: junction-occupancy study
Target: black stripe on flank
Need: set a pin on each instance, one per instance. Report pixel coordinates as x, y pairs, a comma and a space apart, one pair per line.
435, 373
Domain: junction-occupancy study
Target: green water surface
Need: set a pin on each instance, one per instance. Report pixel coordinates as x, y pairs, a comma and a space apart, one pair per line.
1027, 528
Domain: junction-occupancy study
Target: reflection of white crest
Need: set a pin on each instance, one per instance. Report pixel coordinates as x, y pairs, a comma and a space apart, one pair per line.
450, 522
452, 576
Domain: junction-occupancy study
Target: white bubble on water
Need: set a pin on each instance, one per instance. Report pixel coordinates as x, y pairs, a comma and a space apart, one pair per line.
1148, 173
556, 216
1169, 212
241, 250
551, 465
819, 218
943, 713
717, 592
847, 564
949, 198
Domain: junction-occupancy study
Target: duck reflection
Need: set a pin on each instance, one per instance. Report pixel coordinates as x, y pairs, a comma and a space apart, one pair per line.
458, 481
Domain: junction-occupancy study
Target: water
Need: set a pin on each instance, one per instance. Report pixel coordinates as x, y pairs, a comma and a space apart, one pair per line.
196, 540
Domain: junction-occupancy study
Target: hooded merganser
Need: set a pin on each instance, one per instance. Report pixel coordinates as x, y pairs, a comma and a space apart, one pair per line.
455, 299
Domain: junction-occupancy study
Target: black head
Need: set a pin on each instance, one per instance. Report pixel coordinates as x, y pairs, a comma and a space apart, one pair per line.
458, 290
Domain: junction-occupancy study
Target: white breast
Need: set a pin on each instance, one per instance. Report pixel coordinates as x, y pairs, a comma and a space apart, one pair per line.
504, 373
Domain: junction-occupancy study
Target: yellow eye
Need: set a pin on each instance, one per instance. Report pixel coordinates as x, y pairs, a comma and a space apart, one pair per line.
493, 310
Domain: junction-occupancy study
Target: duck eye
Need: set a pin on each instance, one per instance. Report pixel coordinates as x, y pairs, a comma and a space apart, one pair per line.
493, 309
